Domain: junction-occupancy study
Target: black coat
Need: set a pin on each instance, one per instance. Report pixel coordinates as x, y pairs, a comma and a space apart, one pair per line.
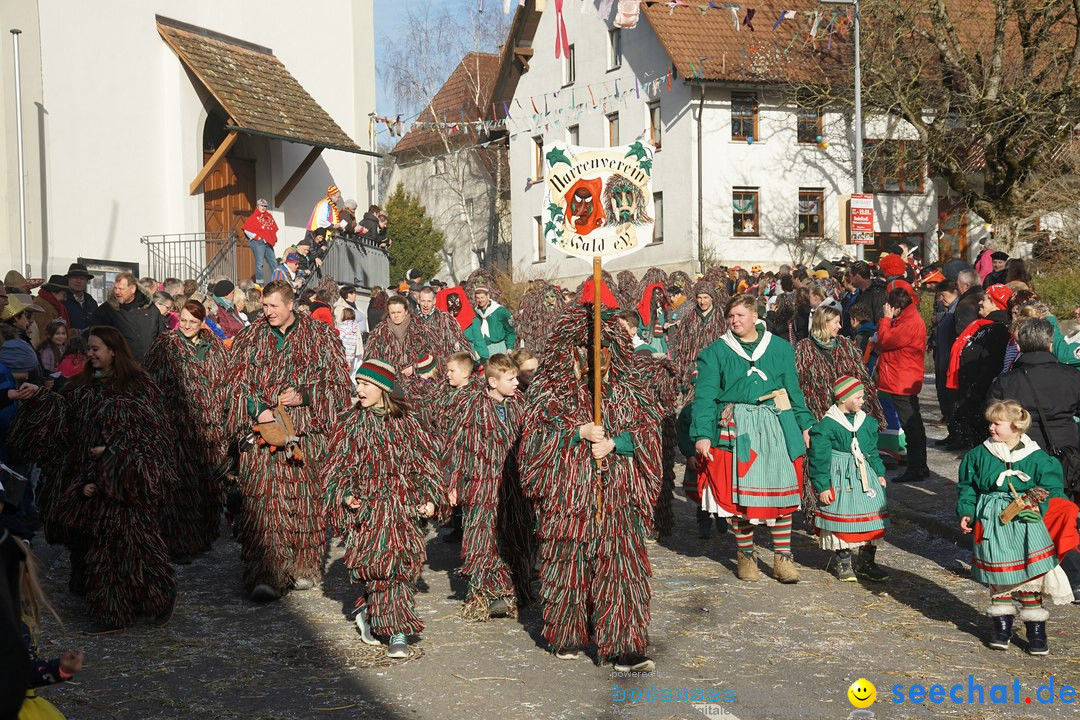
374, 233
873, 299
139, 321
1057, 387
80, 312
996, 278
981, 361
967, 309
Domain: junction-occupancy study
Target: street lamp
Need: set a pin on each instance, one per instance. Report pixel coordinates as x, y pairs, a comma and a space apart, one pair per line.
858, 105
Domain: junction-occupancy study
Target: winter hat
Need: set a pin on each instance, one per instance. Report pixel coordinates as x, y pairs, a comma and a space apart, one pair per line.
222, 288
425, 364
892, 265
332, 190
999, 255
262, 203
378, 373
56, 283
1000, 295
292, 257
482, 288
845, 387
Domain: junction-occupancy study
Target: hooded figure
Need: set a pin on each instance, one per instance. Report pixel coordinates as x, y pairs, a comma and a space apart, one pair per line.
699, 329
651, 309
592, 527
455, 302
537, 313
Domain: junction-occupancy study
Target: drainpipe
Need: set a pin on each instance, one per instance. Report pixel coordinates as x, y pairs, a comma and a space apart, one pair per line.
700, 190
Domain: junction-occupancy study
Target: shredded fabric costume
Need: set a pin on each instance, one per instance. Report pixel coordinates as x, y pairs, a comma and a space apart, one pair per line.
118, 556
282, 533
659, 376
695, 332
482, 277
390, 465
497, 543
626, 288
445, 336
190, 377
400, 345
540, 307
594, 564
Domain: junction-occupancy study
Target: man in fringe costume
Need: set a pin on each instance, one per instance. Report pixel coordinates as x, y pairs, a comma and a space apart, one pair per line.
539, 309
106, 503
627, 284
751, 426
697, 331
592, 528
483, 477
284, 360
444, 332
188, 365
400, 339
383, 477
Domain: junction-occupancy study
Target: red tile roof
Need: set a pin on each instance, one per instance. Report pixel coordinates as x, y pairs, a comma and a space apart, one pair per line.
466, 95
708, 45
254, 87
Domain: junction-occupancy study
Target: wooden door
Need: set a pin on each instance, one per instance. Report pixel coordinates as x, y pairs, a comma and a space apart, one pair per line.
953, 225
228, 200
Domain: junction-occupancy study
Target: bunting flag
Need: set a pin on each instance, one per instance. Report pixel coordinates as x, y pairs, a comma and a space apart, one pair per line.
748, 21
562, 43
784, 15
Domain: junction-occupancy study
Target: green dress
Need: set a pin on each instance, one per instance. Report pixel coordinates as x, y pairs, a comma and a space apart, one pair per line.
1007, 555
856, 515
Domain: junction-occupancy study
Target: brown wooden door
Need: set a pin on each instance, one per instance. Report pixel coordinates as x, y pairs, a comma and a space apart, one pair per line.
228, 200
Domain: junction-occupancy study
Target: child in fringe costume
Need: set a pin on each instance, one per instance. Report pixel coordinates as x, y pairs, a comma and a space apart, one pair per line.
284, 361
421, 389
383, 482
399, 339
483, 477
1007, 492
108, 501
594, 564
527, 364
819, 360
539, 309
189, 365
751, 427
848, 476
448, 407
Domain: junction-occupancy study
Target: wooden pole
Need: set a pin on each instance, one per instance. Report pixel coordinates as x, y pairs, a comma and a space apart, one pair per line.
598, 379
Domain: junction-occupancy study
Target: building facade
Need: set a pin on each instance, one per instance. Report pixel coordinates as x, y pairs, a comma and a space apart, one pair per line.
125, 105
741, 174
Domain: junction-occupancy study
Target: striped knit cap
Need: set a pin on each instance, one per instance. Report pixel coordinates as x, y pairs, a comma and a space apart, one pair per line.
845, 387
378, 373
425, 364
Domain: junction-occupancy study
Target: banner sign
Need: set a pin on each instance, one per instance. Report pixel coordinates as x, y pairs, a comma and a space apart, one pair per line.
598, 201
862, 219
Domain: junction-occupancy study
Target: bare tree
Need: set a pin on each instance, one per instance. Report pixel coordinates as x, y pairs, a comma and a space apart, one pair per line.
990, 87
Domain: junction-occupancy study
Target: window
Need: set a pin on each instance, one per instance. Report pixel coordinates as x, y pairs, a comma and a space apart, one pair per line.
614, 48
613, 129
744, 206
744, 109
538, 157
658, 217
569, 71
656, 125
808, 120
893, 166
811, 211
541, 244
573, 135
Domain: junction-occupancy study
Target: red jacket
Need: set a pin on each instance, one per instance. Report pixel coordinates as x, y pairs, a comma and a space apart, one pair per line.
902, 347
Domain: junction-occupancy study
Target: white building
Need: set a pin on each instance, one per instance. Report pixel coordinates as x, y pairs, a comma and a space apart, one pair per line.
741, 174
125, 104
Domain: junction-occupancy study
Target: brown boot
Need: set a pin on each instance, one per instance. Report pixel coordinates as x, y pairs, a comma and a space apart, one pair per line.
748, 569
784, 568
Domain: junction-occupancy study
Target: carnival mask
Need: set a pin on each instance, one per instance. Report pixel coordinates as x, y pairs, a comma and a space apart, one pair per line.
624, 201
453, 304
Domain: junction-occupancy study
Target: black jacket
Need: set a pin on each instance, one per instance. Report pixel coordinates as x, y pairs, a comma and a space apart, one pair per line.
995, 278
139, 321
80, 312
967, 309
375, 234
1058, 389
873, 299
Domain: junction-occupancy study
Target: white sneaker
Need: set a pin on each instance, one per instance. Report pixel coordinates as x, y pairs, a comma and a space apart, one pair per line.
365, 629
568, 653
398, 647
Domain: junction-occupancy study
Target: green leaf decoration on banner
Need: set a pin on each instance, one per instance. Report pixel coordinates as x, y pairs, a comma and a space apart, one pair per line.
556, 156
556, 211
646, 166
637, 151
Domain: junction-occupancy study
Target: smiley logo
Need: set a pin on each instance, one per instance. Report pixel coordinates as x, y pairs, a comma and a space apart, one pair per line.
862, 693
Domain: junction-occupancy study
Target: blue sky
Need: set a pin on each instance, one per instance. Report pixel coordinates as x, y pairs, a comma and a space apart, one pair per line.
389, 16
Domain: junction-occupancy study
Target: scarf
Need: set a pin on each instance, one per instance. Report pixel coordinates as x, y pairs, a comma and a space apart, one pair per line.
952, 380
1001, 451
400, 331
223, 302
837, 415
485, 313
736, 347
827, 346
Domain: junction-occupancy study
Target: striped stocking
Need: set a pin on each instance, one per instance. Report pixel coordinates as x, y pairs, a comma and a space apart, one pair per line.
781, 535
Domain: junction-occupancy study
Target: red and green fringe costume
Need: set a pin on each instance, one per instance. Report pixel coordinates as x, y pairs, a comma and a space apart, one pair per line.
282, 534
401, 352
626, 289
445, 336
482, 277
190, 377
497, 521
391, 466
535, 318
695, 332
595, 573
659, 376
118, 554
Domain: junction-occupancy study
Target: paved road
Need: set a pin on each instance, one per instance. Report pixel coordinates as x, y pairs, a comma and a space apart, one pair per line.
765, 650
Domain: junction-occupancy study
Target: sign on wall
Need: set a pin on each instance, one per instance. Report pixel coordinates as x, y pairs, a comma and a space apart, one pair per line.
861, 220
598, 201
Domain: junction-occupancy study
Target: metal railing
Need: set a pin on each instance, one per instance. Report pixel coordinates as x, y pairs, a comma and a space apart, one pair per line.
197, 255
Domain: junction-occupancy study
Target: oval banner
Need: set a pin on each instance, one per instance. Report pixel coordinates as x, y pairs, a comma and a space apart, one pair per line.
598, 201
